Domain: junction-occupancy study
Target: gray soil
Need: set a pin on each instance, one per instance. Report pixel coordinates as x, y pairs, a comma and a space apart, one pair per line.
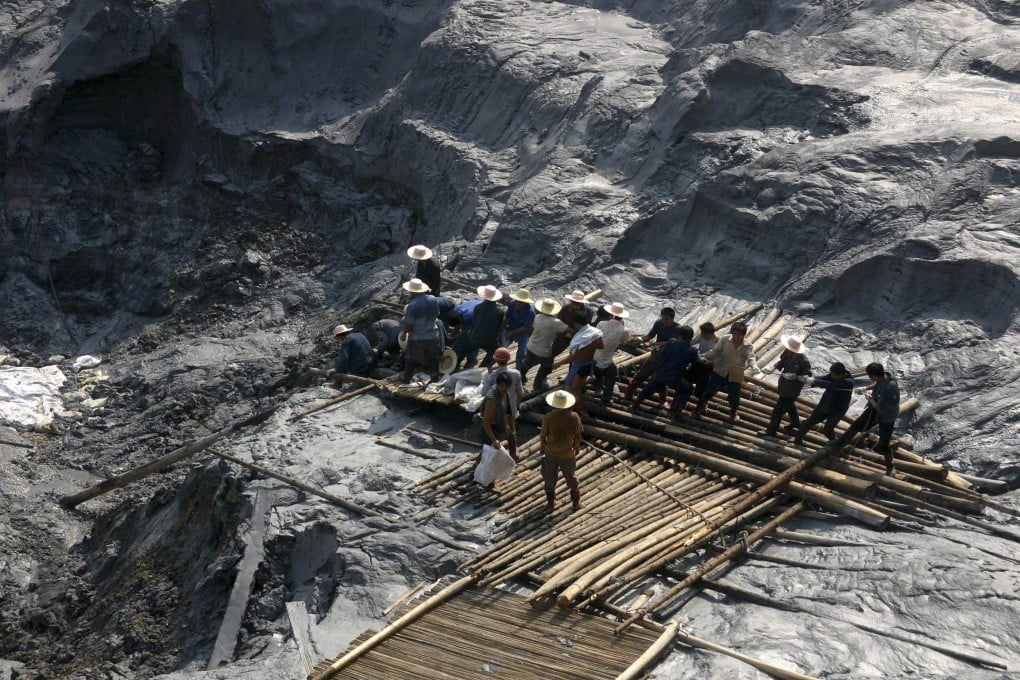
198, 191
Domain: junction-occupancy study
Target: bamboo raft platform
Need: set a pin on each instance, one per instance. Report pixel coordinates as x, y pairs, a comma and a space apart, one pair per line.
486, 633
666, 505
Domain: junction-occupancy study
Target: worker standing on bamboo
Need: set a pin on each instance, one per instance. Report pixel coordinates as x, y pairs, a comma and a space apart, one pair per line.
547, 327
560, 444
735, 355
835, 401
614, 334
419, 328
700, 371
427, 269
502, 357
520, 322
792, 366
486, 325
497, 417
576, 304
583, 345
662, 331
677, 356
356, 356
883, 408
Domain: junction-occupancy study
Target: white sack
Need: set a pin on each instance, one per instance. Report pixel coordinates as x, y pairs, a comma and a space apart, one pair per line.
496, 465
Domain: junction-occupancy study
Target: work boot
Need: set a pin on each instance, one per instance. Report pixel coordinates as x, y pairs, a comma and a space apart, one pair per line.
550, 502
889, 468
798, 441
575, 499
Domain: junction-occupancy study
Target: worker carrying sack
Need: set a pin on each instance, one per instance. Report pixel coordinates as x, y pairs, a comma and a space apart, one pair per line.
495, 465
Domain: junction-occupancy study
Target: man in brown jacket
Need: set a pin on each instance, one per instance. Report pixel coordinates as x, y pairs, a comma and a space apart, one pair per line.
560, 443
731, 356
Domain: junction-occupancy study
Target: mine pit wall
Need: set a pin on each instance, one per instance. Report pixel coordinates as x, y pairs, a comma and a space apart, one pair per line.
147, 587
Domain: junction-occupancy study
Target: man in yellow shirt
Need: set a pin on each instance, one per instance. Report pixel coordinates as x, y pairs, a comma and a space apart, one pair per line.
730, 357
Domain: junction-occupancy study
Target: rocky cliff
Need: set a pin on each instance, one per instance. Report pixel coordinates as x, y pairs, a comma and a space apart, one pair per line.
197, 190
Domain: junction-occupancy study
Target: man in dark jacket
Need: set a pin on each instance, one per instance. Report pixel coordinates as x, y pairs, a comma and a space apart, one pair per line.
356, 355
792, 365
486, 325
576, 305
677, 355
386, 333
839, 391
883, 408
428, 269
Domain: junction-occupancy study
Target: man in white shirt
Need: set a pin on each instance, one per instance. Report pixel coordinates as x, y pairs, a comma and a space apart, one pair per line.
614, 334
547, 326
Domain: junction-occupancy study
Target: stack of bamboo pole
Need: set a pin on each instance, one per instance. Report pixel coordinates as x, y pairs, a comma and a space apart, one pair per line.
656, 492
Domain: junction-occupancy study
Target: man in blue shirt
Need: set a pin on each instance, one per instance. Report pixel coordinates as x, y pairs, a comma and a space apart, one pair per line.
486, 325
356, 355
520, 321
459, 322
883, 408
677, 355
663, 330
420, 329
839, 391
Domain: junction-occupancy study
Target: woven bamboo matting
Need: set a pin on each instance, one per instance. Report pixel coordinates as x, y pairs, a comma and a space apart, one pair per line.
489, 634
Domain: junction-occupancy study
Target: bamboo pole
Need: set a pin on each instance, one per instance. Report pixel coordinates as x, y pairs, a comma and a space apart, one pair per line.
304, 486
395, 306
440, 435
710, 564
332, 402
166, 461
403, 598
407, 449
664, 642
770, 318
770, 482
396, 626
459, 284
764, 666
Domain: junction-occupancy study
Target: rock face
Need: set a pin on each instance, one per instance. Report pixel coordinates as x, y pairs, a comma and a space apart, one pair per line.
199, 189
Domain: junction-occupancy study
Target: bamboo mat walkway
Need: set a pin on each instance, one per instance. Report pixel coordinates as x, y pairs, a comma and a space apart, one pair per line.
493, 633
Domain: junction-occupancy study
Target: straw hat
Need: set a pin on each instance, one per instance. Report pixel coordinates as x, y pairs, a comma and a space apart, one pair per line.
489, 292
792, 343
560, 399
616, 309
416, 286
419, 253
576, 296
342, 330
522, 295
548, 306
448, 361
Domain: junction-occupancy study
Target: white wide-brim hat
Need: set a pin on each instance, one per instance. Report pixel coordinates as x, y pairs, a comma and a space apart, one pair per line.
448, 361
490, 293
548, 306
342, 329
792, 343
522, 295
616, 309
419, 253
576, 296
416, 286
560, 399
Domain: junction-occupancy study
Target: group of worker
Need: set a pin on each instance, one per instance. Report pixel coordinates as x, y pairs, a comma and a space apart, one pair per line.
542, 329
